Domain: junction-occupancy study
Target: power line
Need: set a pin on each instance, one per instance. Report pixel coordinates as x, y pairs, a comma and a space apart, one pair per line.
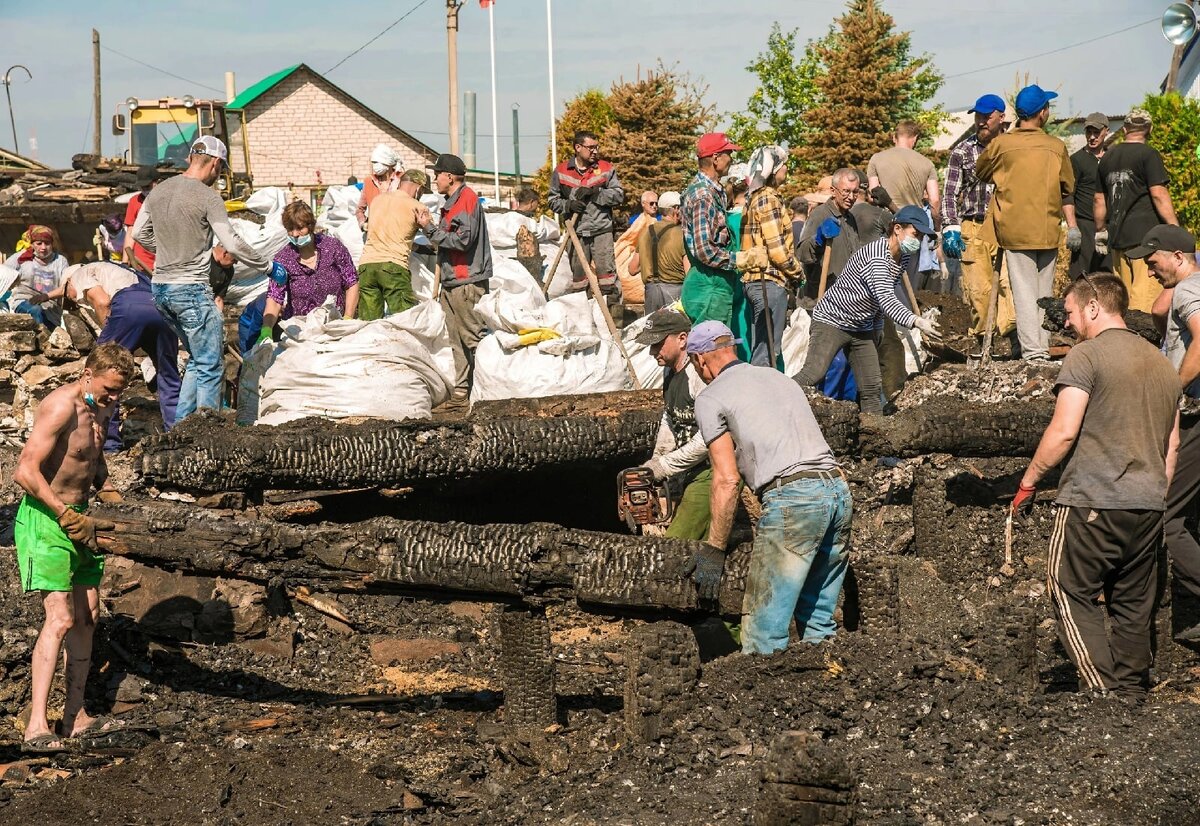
164, 71
376, 37
1054, 51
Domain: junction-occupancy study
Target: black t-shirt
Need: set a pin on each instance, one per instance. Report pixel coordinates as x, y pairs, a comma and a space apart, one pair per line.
1087, 181
1128, 170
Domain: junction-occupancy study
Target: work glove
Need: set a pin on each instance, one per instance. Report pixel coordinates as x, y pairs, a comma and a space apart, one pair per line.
928, 328
705, 569
264, 334
952, 241
881, 197
277, 273
585, 193
576, 205
38, 298
1023, 500
829, 229
82, 528
110, 496
1102, 242
655, 466
1074, 239
754, 258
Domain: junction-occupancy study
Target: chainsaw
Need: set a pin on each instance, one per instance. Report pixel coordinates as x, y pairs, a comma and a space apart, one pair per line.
641, 500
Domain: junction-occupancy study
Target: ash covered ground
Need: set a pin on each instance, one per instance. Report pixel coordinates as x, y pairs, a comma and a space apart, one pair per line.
277, 713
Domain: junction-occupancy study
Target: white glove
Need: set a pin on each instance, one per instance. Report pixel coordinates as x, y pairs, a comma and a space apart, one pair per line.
928, 328
655, 466
1102, 241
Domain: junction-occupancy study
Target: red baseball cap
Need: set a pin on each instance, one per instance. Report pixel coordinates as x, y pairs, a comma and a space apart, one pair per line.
715, 142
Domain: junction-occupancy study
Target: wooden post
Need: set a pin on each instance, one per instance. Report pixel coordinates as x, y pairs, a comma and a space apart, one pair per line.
558, 256
824, 271
599, 296
452, 65
98, 115
993, 308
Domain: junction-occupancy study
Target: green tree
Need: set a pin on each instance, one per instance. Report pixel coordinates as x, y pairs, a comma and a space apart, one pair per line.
787, 89
869, 81
1175, 133
652, 137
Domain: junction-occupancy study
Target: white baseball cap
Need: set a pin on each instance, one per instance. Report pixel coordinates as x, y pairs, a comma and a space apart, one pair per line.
212, 146
668, 200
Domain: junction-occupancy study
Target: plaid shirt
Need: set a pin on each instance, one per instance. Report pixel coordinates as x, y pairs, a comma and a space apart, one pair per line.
764, 225
705, 230
964, 193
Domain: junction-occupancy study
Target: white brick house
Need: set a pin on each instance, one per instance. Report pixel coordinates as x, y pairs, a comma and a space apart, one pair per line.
307, 134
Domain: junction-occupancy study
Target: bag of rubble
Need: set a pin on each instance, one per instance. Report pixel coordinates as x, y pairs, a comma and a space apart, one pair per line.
267, 236
339, 220
544, 348
398, 367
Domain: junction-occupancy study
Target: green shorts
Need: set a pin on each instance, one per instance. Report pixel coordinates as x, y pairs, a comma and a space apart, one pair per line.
48, 559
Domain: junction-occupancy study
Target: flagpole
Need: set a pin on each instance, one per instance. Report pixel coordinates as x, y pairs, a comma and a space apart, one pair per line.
495, 123
553, 113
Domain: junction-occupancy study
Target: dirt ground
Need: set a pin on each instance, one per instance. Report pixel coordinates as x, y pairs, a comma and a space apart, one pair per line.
964, 712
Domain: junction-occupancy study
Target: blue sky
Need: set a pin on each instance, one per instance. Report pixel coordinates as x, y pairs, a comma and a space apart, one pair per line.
403, 74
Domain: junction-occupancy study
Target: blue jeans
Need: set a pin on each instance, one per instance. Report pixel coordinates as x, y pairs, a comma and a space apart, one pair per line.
35, 310
797, 565
192, 314
776, 305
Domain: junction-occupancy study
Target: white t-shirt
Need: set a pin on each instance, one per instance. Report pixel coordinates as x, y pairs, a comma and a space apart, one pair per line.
107, 276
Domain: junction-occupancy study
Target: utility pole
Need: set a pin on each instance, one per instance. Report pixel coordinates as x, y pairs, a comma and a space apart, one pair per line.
517, 142
452, 7
96, 149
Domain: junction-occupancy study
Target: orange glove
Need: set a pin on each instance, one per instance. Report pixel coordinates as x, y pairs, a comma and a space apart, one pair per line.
1023, 499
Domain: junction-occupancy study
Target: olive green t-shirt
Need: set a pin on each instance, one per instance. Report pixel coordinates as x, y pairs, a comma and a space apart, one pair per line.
1119, 458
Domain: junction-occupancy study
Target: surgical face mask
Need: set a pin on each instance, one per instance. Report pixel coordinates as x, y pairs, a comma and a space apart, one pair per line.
300, 241
380, 169
910, 245
89, 399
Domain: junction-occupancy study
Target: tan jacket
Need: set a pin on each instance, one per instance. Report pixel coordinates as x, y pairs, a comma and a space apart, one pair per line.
1032, 175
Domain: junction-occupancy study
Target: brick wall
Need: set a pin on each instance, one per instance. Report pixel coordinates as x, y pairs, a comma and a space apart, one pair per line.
302, 127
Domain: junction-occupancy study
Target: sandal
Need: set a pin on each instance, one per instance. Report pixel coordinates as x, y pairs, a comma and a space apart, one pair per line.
45, 744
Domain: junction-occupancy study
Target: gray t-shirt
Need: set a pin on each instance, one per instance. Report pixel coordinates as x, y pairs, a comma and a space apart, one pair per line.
178, 222
1119, 458
1185, 302
767, 414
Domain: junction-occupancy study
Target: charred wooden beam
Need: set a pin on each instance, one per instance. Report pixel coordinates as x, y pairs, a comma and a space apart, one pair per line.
958, 427
505, 563
1141, 323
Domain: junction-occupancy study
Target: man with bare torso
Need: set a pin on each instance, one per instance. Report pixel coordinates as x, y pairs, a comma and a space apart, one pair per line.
56, 540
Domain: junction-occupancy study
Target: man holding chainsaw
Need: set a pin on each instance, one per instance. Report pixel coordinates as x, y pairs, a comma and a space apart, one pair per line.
584, 190
1116, 423
680, 455
759, 428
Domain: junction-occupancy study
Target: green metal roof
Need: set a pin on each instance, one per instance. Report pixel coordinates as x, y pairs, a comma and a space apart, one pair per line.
262, 87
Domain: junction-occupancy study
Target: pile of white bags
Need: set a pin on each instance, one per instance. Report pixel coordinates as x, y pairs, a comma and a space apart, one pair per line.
582, 359
399, 367
502, 232
267, 238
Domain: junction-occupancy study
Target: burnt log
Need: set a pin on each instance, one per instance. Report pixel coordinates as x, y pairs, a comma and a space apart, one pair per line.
530, 564
499, 440
958, 427
527, 668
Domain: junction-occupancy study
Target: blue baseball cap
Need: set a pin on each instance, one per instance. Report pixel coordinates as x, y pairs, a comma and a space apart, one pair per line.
708, 336
916, 217
987, 104
1033, 99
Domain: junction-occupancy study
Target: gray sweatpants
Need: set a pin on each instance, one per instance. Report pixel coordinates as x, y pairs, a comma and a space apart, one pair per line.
1031, 273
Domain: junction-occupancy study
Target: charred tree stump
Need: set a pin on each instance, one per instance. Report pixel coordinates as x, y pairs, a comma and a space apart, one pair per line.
663, 663
871, 602
805, 782
527, 668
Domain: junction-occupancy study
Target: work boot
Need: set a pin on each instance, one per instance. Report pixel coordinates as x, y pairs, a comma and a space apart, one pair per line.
1014, 342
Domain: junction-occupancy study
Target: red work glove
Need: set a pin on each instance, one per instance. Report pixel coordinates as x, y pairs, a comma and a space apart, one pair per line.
1024, 498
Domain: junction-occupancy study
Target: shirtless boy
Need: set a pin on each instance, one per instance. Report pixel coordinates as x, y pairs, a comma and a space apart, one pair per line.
56, 540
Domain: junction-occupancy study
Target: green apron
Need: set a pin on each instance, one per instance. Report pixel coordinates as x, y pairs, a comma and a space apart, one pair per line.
710, 294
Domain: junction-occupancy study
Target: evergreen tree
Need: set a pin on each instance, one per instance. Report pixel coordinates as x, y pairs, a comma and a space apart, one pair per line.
869, 81
652, 137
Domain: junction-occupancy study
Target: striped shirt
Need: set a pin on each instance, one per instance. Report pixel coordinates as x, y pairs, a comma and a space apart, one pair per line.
865, 292
964, 197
